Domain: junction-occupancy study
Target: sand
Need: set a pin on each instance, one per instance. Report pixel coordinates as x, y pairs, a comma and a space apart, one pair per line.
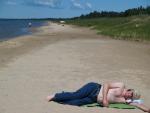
63, 58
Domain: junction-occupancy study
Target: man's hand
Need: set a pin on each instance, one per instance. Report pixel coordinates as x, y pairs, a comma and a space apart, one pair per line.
105, 103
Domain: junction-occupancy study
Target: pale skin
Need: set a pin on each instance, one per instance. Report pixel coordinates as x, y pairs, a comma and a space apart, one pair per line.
117, 93
114, 93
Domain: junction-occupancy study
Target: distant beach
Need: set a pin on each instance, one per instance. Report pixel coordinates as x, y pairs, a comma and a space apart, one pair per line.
10, 28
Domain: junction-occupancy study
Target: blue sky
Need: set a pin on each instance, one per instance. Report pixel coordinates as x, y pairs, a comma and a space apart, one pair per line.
63, 8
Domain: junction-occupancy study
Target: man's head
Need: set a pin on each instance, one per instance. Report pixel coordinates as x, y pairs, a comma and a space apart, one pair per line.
132, 94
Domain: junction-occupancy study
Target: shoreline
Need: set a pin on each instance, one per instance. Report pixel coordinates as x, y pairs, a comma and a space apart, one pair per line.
16, 28
12, 48
40, 37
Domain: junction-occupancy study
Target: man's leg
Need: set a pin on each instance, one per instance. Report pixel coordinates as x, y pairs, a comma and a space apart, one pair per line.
79, 102
81, 93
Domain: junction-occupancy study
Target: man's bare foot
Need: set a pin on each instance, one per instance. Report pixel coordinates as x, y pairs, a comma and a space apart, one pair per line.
49, 98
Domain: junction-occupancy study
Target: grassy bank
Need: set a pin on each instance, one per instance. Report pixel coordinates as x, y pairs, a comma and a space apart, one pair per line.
132, 28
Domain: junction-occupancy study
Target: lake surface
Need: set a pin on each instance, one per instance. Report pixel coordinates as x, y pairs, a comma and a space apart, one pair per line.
12, 28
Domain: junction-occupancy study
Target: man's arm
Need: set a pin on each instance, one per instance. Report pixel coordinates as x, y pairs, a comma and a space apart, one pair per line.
105, 92
141, 106
106, 88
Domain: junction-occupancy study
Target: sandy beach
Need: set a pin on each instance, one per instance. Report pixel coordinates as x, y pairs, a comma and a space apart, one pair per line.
63, 58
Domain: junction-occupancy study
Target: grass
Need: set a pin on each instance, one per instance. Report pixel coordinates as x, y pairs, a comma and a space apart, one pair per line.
131, 28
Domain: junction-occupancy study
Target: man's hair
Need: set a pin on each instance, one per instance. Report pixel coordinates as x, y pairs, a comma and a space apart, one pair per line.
136, 94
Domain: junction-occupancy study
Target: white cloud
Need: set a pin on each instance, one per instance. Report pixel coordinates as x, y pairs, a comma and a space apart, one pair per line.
44, 3
51, 3
77, 4
11, 3
38, 3
74, 4
89, 5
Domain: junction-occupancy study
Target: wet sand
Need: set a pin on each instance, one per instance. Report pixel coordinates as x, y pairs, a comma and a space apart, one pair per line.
63, 58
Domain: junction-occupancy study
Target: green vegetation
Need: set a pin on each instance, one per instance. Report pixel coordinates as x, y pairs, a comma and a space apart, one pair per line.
133, 24
130, 12
131, 27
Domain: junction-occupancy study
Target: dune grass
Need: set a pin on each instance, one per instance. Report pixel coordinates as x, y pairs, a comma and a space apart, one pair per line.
130, 28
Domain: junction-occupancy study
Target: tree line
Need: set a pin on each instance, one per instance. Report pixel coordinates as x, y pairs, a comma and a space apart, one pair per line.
130, 12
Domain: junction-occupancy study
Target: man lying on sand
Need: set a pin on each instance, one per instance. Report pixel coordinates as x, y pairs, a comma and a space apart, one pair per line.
102, 94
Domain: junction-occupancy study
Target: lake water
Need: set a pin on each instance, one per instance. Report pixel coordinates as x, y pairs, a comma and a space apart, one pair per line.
13, 28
